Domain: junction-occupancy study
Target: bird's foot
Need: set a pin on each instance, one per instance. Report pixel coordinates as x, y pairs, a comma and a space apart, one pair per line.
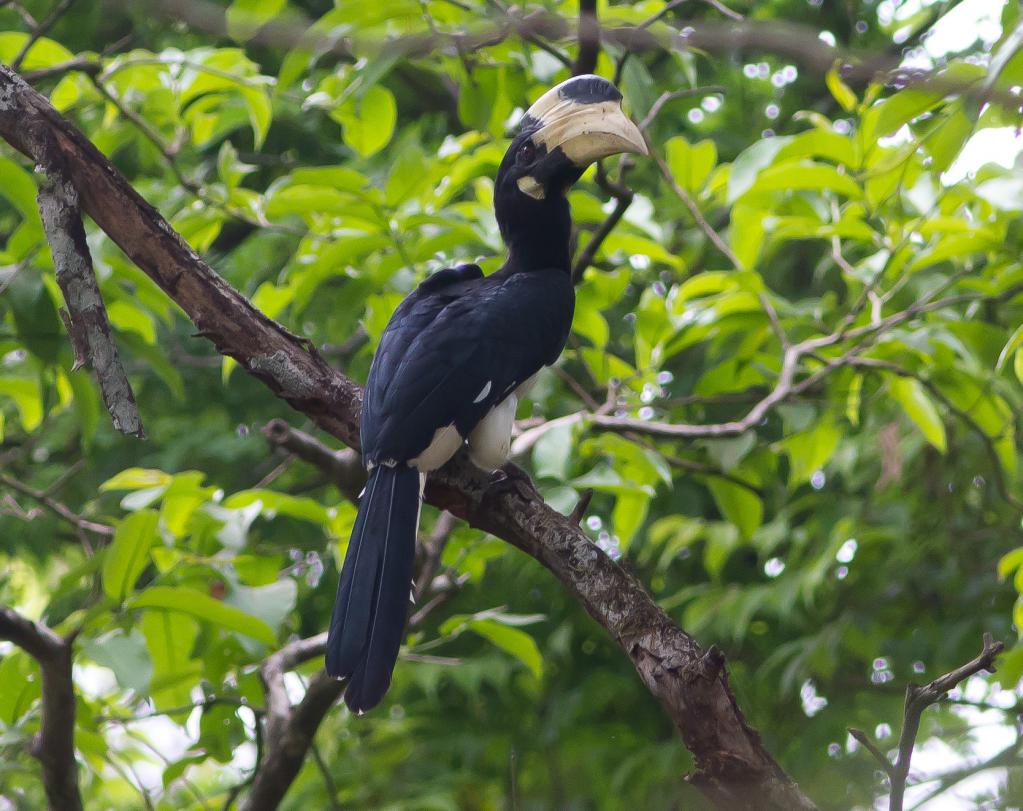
511, 479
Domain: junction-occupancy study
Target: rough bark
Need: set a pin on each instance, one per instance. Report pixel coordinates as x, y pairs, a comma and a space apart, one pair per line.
54, 745
86, 317
732, 767
289, 729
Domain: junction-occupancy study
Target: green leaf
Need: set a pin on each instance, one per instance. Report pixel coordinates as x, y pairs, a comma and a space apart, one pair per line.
128, 555
194, 603
368, 123
137, 478
245, 17
628, 515
272, 603
750, 162
691, 165
946, 138
124, 653
43, 53
518, 643
20, 189
178, 768
810, 450
740, 506
805, 177
919, 407
1010, 562
1015, 342
126, 316
27, 399
275, 503
589, 323
552, 453
170, 637
35, 316
854, 399
727, 452
20, 686
885, 118
840, 90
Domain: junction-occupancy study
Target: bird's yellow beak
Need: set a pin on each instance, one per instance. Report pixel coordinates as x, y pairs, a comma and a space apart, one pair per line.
586, 131
582, 119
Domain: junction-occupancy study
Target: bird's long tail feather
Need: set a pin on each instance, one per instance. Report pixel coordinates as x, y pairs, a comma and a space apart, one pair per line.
373, 593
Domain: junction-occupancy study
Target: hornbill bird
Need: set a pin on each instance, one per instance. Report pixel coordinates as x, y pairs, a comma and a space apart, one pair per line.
455, 358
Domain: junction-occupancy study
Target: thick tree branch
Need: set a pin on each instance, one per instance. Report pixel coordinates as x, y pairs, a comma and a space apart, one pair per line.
290, 730
54, 744
344, 466
732, 766
87, 319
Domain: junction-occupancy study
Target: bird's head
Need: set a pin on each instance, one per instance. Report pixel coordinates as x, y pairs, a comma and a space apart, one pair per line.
569, 127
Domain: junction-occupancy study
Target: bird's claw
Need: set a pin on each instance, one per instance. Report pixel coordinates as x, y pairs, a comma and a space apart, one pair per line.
511, 479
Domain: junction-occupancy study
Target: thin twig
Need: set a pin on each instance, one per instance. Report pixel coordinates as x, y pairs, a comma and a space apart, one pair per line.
328, 779
694, 210
879, 756
56, 507
919, 699
673, 95
38, 31
434, 550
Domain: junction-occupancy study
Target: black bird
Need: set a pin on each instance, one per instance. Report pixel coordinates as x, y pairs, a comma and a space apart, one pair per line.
456, 356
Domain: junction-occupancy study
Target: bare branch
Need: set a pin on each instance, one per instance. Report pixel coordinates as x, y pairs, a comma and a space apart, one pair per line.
39, 30
919, 699
694, 210
622, 202
344, 466
90, 326
57, 507
54, 745
289, 729
433, 551
725, 10
879, 756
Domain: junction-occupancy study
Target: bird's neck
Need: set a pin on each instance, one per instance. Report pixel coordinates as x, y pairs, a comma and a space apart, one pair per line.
538, 235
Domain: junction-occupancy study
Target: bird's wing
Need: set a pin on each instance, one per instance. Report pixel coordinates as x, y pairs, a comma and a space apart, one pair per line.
451, 355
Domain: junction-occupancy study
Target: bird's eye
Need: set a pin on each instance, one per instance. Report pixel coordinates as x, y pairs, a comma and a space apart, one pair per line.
526, 153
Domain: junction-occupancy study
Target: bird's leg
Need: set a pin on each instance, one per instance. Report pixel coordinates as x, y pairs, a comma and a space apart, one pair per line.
511, 479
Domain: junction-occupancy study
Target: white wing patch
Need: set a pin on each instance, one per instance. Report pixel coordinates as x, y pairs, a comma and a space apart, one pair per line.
483, 394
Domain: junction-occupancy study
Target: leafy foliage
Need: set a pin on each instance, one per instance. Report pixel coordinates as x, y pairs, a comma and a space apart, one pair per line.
863, 531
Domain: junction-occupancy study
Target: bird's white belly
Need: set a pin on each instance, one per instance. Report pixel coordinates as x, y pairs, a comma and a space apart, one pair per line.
446, 441
490, 440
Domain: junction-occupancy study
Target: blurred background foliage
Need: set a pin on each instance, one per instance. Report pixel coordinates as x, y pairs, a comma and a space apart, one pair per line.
861, 535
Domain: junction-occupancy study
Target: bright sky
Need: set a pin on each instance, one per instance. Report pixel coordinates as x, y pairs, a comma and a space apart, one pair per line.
958, 30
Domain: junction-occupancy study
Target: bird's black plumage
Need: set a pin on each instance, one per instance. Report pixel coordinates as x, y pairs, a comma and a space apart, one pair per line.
452, 354
449, 345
